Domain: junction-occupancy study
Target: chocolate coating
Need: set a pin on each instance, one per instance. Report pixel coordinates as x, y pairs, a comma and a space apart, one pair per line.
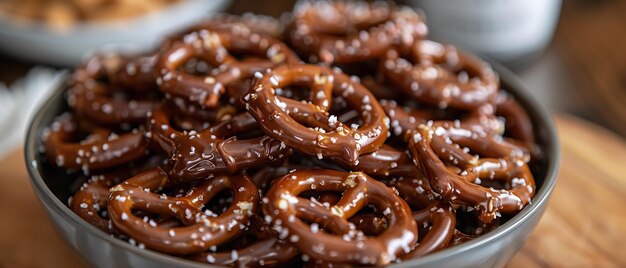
340, 242
92, 198
431, 144
332, 138
384, 162
246, 22
199, 154
517, 123
101, 149
441, 75
200, 231
112, 102
351, 31
215, 48
267, 251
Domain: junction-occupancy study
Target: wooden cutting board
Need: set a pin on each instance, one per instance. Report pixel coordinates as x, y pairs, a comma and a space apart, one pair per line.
584, 225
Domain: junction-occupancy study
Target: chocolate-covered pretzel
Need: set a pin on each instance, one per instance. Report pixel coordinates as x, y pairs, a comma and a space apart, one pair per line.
437, 218
216, 49
433, 144
103, 90
404, 119
102, 148
517, 123
197, 154
329, 236
441, 75
268, 251
247, 22
91, 200
200, 229
351, 31
384, 162
371, 224
441, 218
136, 74
414, 189
199, 118
282, 119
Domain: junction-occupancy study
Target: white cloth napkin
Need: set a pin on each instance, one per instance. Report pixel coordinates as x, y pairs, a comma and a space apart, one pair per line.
20, 101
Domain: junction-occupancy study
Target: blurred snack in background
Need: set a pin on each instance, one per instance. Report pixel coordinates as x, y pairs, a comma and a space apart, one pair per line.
62, 32
63, 14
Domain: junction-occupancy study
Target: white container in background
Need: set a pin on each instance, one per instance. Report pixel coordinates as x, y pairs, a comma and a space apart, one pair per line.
513, 32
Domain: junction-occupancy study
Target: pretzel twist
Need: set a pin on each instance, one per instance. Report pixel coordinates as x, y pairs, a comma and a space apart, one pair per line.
215, 149
433, 143
284, 119
340, 241
92, 198
517, 123
90, 201
441, 75
268, 250
200, 230
111, 102
348, 31
101, 149
247, 22
215, 48
438, 218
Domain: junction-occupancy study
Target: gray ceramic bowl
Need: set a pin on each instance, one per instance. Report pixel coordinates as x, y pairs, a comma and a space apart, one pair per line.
493, 249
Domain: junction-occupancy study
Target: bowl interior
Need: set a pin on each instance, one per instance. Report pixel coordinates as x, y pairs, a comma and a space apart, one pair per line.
57, 185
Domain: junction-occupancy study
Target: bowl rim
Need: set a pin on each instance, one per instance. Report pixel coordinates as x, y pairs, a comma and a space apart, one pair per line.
538, 113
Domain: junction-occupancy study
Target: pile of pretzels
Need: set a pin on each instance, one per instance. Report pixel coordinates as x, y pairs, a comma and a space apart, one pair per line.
341, 136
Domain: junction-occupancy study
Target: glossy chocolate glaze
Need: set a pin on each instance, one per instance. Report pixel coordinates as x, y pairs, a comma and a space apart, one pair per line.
436, 217
340, 241
442, 220
518, 127
260, 24
267, 251
215, 48
433, 143
200, 230
387, 161
137, 74
195, 155
331, 138
110, 102
92, 198
101, 149
346, 31
403, 119
440, 75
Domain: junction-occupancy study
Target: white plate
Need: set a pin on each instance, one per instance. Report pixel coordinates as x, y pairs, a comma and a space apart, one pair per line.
38, 43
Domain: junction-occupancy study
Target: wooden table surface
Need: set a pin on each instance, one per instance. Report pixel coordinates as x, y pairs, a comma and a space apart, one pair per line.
584, 225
